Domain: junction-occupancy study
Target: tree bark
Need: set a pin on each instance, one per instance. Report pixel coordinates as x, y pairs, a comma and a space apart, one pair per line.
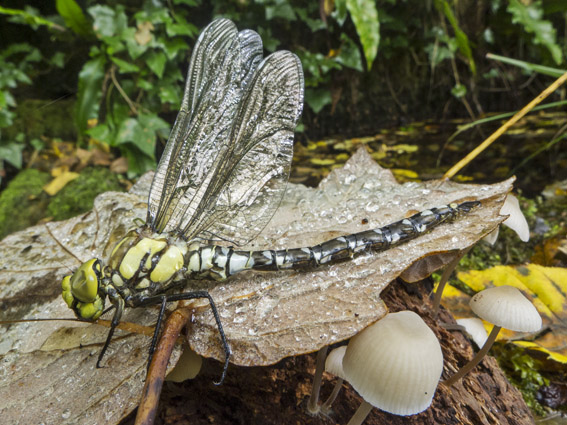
278, 394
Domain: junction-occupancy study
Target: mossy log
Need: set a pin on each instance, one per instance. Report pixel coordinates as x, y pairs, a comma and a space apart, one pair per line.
278, 394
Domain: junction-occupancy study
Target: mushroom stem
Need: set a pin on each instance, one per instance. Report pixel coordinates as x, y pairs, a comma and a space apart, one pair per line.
336, 389
445, 278
361, 413
313, 404
476, 359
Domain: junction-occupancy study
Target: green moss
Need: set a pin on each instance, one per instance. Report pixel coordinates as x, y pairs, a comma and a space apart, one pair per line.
23, 203
522, 371
78, 196
34, 120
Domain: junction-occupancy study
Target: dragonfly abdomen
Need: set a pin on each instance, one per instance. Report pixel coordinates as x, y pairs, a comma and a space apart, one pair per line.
219, 263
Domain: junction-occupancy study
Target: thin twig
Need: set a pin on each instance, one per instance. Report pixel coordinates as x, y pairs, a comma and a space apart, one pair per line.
121, 90
480, 148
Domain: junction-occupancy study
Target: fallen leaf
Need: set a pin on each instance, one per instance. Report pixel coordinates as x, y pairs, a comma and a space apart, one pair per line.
545, 287
266, 316
59, 182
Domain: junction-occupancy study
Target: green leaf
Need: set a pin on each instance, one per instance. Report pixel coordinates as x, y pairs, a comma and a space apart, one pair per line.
29, 16
156, 62
459, 91
107, 21
532, 67
170, 95
180, 27
138, 163
89, 93
365, 18
313, 24
317, 99
530, 17
58, 59
101, 133
340, 12
172, 46
349, 54
124, 67
191, 3
73, 16
141, 132
279, 9
462, 39
270, 42
12, 152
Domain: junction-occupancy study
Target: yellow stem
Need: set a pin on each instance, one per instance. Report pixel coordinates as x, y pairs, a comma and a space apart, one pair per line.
519, 115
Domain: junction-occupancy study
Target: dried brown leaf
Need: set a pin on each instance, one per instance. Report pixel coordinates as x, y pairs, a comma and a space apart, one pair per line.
266, 316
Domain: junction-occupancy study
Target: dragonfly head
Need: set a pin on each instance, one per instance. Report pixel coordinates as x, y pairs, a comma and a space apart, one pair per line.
81, 290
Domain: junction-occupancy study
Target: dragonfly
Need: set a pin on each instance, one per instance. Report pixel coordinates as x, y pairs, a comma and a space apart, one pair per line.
220, 180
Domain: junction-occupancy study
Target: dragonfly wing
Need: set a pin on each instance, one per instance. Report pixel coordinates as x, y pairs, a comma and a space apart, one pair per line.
250, 183
222, 64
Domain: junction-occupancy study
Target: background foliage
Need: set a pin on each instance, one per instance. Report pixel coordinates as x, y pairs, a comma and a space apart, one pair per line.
367, 63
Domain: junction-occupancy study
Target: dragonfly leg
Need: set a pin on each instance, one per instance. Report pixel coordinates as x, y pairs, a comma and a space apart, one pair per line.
113, 324
157, 330
163, 299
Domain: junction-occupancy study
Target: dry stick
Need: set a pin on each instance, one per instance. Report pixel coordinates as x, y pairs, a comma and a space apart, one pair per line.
476, 359
519, 115
154, 381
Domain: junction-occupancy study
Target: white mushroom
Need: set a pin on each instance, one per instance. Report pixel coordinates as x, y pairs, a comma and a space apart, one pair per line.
395, 365
505, 307
188, 366
475, 329
334, 366
515, 221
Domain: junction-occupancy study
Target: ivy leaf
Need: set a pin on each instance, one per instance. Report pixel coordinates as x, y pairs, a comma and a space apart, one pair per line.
280, 10
156, 62
124, 67
459, 91
141, 132
340, 12
365, 18
89, 94
530, 17
317, 99
73, 16
172, 46
107, 21
349, 54
170, 95
12, 152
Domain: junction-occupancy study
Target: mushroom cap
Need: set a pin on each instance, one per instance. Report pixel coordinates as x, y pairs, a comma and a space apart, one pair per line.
395, 364
475, 329
507, 307
334, 362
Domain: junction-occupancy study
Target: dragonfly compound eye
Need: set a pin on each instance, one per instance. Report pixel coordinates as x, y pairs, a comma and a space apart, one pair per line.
80, 291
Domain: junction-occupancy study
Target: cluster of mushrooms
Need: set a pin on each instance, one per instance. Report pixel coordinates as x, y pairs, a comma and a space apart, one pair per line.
396, 363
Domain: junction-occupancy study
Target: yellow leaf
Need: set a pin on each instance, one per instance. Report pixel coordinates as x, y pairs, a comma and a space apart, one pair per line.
407, 174
59, 182
546, 287
318, 161
533, 346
